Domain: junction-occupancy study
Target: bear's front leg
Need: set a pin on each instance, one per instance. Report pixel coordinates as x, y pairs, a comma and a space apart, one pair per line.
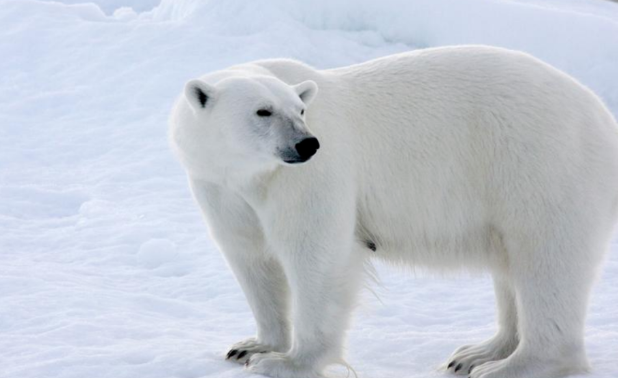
266, 290
323, 273
235, 227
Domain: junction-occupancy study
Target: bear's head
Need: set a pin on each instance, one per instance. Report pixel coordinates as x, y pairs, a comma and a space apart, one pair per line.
242, 125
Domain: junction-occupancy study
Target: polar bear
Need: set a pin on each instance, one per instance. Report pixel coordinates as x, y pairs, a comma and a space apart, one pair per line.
466, 157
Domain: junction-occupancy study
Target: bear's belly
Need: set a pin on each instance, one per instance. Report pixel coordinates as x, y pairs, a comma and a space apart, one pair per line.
443, 236
473, 249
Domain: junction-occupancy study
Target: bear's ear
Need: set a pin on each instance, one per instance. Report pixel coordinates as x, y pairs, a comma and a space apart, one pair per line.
306, 91
199, 94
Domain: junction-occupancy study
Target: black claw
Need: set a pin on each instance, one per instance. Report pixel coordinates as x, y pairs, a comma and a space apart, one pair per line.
247, 363
231, 353
241, 354
470, 370
451, 364
457, 368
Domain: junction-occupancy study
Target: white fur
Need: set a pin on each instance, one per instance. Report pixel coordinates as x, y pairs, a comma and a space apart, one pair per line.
457, 157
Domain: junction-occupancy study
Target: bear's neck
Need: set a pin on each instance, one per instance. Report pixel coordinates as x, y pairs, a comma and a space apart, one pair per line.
252, 187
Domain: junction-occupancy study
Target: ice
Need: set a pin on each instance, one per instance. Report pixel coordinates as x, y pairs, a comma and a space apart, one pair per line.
106, 268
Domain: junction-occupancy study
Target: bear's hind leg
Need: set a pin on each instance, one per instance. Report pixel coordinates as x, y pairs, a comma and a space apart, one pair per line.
502, 344
552, 282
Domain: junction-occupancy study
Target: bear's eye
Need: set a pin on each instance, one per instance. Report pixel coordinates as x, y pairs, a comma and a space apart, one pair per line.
302, 112
264, 113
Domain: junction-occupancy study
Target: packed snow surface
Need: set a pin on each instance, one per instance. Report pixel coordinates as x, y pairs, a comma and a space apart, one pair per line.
106, 270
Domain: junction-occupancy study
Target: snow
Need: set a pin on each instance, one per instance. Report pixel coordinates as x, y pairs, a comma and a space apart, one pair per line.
106, 269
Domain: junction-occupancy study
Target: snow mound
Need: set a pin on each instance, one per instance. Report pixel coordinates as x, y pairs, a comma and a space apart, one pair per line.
156, 252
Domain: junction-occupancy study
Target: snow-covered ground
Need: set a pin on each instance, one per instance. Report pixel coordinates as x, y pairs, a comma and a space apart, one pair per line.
106, 270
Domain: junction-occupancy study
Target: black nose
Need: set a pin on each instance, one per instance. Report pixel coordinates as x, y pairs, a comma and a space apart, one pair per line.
306, 148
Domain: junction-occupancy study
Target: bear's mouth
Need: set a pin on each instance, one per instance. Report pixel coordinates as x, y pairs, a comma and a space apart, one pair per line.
291, 157
296, 161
